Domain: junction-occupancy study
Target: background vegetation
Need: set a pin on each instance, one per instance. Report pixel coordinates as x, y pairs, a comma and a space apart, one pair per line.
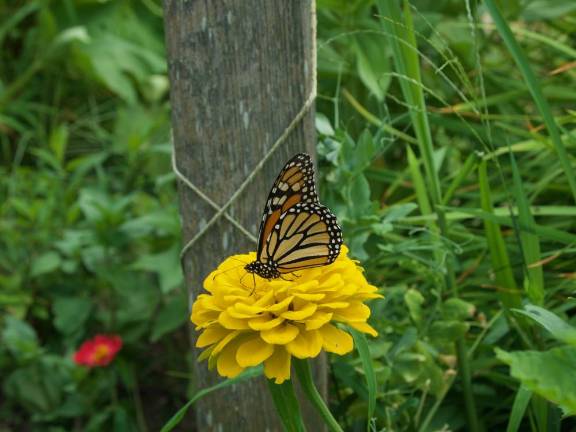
450, 168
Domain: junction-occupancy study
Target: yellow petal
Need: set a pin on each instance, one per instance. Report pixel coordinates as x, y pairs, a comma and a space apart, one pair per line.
336, 305
280, 335
265, 322
282, 306
318, 320
336, 340
226, 363
306, 344
231, 323
301, 313
211, 335
303, 287
253, 352
247, 310
364, 328
310, 297
355, 312
332, 282
266, 299
278, 366
224, 342
202, 311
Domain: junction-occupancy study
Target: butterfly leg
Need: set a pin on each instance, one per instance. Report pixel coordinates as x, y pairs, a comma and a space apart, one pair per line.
290, 280
253, 286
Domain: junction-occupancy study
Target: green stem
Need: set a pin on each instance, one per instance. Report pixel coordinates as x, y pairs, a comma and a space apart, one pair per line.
302, 368
286, 406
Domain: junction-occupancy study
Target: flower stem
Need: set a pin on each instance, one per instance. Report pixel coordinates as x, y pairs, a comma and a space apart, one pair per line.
287, 406
305, 377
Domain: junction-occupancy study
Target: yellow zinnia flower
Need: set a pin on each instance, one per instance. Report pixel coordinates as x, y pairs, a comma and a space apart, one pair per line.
246, 320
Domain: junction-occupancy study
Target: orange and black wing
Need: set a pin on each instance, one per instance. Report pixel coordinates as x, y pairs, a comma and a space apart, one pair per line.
306, 236
294, 185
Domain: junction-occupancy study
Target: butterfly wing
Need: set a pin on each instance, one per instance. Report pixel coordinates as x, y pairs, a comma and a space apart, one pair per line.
306, 235
294, 185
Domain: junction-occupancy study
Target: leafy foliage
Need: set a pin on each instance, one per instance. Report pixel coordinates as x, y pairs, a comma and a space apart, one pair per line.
89, 225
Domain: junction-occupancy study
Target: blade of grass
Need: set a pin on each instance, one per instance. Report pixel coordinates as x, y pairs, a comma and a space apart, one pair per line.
375, 120
544, 232
498, 253
521, 401
529, 145
466, 169
454, 213
419, 185
534, 280
534, 87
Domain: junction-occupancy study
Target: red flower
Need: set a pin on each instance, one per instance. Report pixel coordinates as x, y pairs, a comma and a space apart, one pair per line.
98, 351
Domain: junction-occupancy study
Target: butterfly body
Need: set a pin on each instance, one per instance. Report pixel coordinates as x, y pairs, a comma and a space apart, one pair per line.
296, 232
266, 271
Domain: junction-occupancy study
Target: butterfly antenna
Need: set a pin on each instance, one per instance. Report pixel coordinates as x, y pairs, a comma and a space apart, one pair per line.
239, 260
225, 271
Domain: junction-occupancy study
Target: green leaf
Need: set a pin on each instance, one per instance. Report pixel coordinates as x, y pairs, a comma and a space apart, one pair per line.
45, 263
323, 125
58, 141
364, 353
359, 195
70, 313
372, 64
286, 405
172, 315
559, 329
546, 9
549, 374
20, 338
302, 368
414, 300
177, 418
40, 387
366, 150
447, 331
166, 264
138, 296
457, 309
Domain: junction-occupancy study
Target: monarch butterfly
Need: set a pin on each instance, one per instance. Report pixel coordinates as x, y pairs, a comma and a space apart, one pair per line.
296, 231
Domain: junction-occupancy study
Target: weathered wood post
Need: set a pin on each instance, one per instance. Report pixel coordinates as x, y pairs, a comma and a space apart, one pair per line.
240, 71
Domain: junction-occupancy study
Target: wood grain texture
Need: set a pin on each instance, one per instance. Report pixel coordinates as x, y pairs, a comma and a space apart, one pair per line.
240, 70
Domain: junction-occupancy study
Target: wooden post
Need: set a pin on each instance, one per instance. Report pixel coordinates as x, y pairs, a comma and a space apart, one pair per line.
240, 71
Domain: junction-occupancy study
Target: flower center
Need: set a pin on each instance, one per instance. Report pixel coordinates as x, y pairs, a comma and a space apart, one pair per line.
101, 352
